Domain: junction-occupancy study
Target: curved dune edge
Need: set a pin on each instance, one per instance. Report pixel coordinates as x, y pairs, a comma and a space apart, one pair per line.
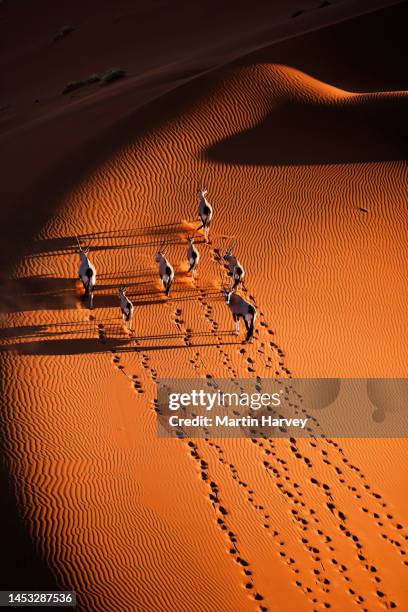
128, 519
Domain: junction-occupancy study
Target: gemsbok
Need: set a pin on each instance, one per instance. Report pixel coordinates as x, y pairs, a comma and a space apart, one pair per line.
166, 270
236, 270
193, 256
86, 272
205, 211
240, 309
126, 308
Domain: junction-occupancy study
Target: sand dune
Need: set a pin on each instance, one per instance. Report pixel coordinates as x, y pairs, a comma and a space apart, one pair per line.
308, 182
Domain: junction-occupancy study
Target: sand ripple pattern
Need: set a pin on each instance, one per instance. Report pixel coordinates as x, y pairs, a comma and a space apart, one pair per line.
133, 522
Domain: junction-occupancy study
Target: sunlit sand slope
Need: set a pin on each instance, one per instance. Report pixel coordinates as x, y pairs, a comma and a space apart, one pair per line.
134, 522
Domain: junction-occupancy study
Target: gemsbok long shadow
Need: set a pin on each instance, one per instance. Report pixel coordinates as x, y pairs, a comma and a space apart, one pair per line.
113, 326
68, 244
70, 346
58, 293
80, 346
298, 133
47, 293
47, 331
38, 293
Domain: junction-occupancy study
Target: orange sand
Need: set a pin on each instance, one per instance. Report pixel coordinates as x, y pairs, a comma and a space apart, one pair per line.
122, 517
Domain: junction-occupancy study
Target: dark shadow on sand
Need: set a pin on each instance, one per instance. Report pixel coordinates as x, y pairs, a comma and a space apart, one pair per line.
363, 54
38, 293
370, 49
55, 293
310, 134
81, 346
22, 567
366, 53
149, 237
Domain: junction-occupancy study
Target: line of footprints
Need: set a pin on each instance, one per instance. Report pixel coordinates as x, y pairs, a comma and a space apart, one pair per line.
291, 489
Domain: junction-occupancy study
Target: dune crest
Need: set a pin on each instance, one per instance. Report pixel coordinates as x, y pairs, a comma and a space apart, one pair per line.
134, 522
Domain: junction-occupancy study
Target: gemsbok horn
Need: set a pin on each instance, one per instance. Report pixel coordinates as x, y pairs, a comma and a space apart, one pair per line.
236, 270
205, 211
193, 256
166, 270
86, 272
126, 307
240, 309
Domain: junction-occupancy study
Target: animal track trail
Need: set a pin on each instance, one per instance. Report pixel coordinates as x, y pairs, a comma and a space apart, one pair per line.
358, 492
359, 488
381, 520
232, 372
102, 333
116, 359
215, 498
265, 520
222, 522
196, 362
221, 512
145, 361
353, 538
368, 490
214, 488
214, 325
310, 529
270, 351
264, 326
265, 329
243, 352
361, 556
293, 492
304, 525
263, 345
179, 323
205, 473
133, 378
342, 569
319, 576
250, 498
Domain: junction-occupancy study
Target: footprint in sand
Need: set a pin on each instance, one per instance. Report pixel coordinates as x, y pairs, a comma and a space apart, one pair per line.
102, 333
215, 500
290, 561
138, 385
177, 317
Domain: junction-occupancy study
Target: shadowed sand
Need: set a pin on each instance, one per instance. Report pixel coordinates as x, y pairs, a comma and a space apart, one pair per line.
305, 169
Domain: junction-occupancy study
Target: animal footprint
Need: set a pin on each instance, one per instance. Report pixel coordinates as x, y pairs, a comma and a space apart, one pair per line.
102, 333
